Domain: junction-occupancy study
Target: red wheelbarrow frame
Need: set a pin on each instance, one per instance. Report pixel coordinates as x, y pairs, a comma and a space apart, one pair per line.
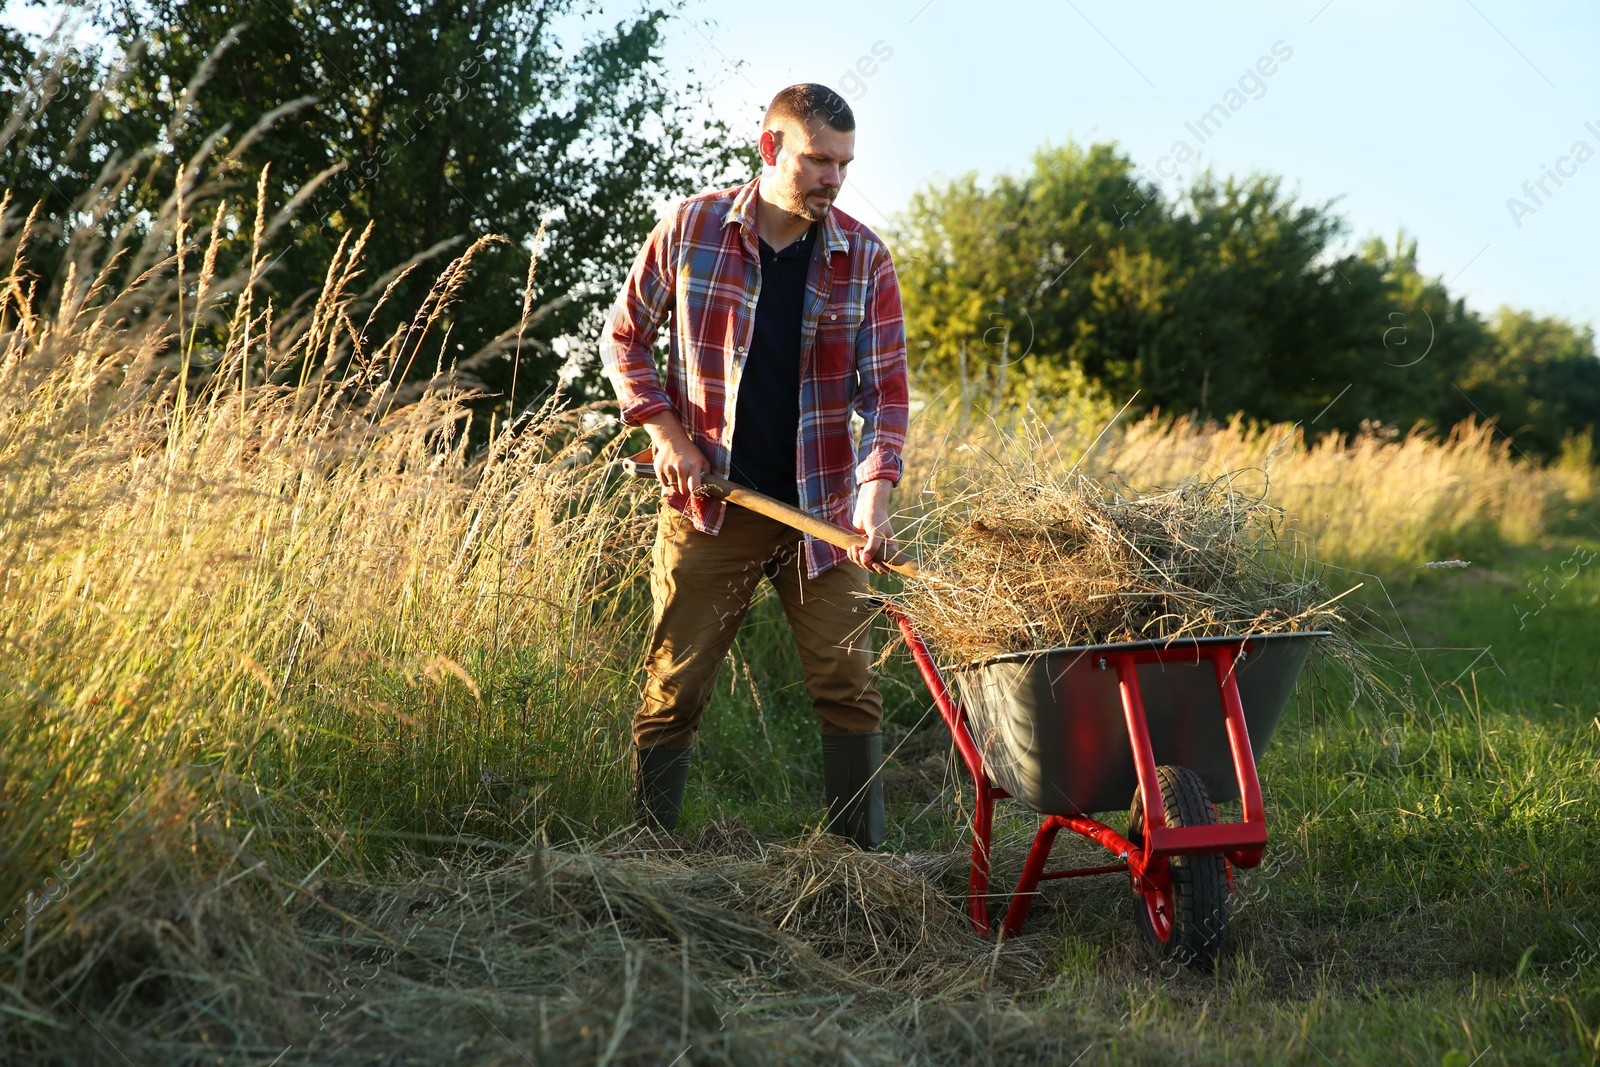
1242, 843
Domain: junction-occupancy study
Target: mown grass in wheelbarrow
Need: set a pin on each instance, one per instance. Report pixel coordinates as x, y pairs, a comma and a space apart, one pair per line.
1030, 559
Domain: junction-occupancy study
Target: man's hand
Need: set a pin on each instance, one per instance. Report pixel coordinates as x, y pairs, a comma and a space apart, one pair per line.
872, 519
680, 465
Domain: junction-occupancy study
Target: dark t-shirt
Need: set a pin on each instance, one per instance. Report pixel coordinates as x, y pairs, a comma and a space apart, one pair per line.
767, 416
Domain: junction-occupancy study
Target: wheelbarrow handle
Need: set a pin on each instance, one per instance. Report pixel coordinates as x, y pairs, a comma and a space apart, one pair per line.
642, 465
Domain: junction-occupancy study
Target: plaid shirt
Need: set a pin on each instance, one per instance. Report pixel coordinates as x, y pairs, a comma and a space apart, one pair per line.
703, 266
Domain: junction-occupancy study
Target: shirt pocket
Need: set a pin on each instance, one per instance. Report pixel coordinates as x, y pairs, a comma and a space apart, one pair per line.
837, 330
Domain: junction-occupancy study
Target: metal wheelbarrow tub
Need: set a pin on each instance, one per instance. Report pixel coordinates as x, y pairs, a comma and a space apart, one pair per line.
1051, 728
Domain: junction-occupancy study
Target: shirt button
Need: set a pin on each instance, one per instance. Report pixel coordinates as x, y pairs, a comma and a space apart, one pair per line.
833, 316
741, 350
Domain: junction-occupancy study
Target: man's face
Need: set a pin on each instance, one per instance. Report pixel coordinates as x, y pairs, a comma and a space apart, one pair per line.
804, 168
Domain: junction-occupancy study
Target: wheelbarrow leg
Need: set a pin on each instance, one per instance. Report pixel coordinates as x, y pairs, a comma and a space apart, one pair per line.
982, 836
1223, 662
1028, 884
983, 794
1144, 761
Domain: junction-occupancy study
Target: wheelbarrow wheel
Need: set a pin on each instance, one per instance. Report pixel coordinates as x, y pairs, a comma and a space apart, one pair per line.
1187, 921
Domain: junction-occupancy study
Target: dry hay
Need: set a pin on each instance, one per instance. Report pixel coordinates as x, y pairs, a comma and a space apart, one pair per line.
648, 952
1037, 561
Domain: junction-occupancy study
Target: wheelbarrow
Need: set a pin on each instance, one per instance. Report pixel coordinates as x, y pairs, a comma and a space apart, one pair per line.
1071, 732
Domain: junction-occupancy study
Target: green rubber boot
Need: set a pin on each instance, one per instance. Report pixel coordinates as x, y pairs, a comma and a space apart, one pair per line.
852, 778
659, 777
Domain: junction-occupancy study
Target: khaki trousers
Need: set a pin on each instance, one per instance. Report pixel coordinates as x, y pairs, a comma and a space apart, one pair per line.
702, 585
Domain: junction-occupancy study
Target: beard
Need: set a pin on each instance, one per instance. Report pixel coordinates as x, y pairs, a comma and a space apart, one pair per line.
804, 201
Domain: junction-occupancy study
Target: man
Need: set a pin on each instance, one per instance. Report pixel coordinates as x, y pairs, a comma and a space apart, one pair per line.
785, 320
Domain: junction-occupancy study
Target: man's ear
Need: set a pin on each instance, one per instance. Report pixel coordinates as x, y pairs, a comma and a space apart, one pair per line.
768, 146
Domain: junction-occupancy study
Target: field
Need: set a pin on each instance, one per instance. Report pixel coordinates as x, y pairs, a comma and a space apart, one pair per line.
313, 734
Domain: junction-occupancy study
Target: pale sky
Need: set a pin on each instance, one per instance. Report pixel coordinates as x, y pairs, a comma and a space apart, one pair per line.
1423, 115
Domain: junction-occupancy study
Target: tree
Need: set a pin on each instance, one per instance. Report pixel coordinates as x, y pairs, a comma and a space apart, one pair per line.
436, 122
993, 279
46, 158
1540, 377
1228, 297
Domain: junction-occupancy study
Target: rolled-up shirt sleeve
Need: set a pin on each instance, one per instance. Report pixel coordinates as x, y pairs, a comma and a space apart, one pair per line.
627, 343
881, 399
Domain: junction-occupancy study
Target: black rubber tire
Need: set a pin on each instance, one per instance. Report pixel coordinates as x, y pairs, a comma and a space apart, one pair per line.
1197, 904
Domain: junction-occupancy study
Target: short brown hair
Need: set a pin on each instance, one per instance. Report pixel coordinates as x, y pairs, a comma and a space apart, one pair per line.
811, 106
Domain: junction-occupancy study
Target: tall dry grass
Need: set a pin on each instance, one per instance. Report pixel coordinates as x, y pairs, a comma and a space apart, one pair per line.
1378, 502
244, 585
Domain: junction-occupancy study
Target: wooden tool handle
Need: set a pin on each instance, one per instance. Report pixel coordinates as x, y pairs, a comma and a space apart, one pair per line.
643, 465
822, 530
